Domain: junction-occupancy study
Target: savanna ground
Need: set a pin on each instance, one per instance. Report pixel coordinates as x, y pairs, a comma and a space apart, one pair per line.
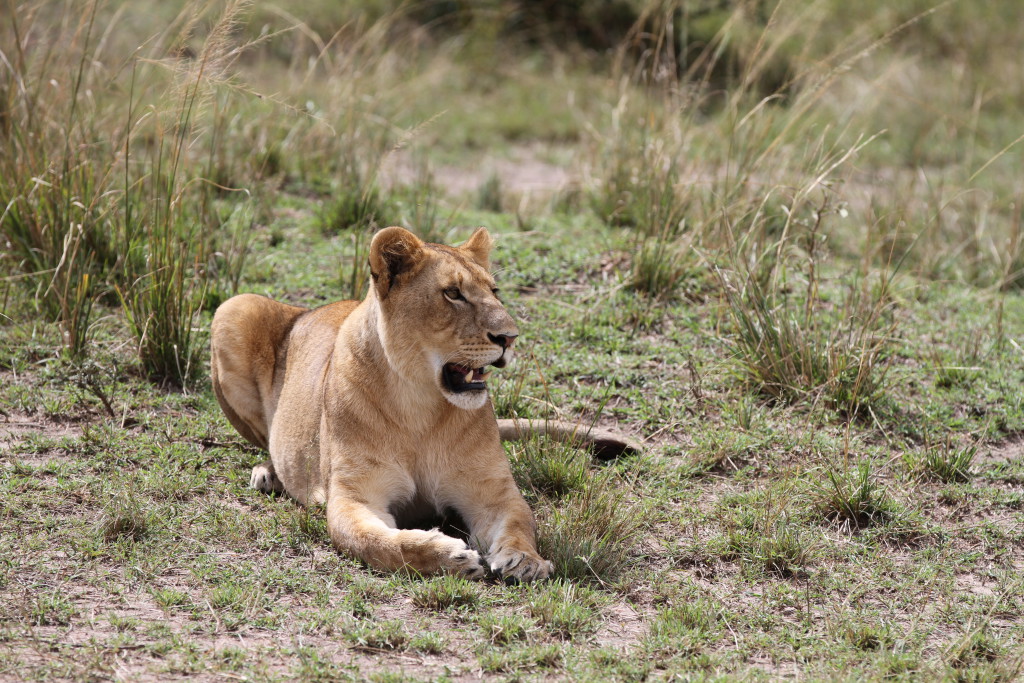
781, 245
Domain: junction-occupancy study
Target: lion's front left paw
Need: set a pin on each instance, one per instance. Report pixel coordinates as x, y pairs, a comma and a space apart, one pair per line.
432, 551
517, 565
264, 478
467, 563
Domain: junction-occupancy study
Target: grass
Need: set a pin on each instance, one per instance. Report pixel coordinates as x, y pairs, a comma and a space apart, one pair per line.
790, 350
854, 499
446, 592
548, 469
945, 463
564, 610
683, 629
591, 534
505, 628
775, 548
353, 206
386, 635
748, 238
123, 519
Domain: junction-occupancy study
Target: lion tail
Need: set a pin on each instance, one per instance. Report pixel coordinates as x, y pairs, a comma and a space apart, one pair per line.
604, 443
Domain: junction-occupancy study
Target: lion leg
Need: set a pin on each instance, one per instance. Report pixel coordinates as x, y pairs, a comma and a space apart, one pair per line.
513, 556
264, 478
245, 337
357, 529
503, 527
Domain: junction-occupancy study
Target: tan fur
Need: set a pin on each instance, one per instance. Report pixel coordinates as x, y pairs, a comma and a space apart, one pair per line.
350, 402
605, 444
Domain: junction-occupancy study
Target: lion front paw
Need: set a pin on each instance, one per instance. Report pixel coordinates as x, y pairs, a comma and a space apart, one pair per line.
461, 559
468, 563
265, 479
518, 565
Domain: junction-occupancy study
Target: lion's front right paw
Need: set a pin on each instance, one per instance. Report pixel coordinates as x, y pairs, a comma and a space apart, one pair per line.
517, 565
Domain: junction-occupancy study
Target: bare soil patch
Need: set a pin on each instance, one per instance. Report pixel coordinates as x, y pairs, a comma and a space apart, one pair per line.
16, 427
1005, 451
522, 172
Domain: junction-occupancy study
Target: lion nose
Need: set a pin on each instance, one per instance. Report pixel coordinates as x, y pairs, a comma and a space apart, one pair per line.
502, 340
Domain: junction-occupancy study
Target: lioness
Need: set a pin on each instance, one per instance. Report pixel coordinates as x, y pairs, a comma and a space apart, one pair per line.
380, 408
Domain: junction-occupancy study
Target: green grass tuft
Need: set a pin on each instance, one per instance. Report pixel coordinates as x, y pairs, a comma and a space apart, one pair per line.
685, 629
945, 462
384, 635
501, 629
779, 550
868, 636
854, 499
590, 535
548, 468
445, 592
352, 208
563, 609
792, 352
52, 609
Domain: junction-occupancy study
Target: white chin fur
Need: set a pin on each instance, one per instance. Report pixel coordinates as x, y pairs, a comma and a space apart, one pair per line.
467, 400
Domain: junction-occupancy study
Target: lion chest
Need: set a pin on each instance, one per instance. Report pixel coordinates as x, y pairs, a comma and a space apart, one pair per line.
389, 469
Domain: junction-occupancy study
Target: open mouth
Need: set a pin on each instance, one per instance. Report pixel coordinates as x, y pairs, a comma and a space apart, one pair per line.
459, 378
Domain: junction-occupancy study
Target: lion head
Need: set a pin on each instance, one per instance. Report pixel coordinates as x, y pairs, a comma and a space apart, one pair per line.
441, 322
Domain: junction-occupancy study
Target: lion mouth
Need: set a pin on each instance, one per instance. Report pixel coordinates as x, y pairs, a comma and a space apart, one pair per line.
459, 378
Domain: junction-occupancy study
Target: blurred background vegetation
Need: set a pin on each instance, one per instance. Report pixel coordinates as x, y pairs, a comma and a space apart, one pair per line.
143, 142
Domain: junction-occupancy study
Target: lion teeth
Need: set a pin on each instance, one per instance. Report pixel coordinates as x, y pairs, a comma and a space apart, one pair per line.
469, 377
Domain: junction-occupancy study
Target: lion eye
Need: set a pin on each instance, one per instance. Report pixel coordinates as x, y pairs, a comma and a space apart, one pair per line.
453, 294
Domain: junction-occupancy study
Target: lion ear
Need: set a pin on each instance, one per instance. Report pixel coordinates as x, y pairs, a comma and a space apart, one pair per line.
393, 251
478, 247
